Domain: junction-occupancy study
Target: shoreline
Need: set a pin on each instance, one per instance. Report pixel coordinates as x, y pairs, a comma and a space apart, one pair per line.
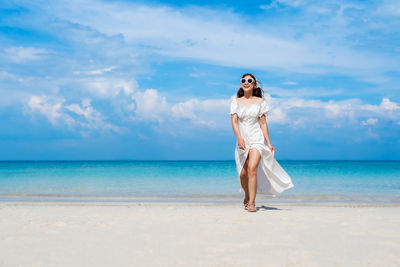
297, 200
259, 205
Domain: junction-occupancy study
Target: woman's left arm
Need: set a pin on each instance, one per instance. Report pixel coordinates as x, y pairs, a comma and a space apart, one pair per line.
264, 127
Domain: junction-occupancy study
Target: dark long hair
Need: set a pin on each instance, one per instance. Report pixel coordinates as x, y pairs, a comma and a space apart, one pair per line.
257, 91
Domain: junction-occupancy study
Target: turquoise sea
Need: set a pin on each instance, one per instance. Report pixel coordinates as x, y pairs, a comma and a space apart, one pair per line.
357, 181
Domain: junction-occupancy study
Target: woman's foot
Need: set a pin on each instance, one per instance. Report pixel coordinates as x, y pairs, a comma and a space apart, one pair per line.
251, 207
245, 203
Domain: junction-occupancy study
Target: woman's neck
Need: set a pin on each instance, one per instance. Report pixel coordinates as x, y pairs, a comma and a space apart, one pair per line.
248, 94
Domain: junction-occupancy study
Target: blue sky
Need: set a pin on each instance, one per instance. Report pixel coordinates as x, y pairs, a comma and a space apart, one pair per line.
153, 80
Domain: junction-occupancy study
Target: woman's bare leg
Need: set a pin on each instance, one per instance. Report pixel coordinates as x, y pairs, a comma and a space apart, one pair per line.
254, 159
244, 180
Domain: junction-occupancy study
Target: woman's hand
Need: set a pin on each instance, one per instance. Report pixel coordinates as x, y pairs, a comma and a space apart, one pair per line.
271, 148
241, 143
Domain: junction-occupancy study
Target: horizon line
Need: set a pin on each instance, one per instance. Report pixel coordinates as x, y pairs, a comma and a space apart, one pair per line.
174, 160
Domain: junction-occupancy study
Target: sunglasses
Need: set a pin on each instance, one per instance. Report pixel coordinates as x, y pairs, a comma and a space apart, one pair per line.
250, 80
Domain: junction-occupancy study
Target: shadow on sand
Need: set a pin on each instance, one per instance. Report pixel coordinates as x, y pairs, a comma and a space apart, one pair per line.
264, 208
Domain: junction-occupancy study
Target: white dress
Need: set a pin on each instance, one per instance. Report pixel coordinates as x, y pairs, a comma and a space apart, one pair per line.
271, 177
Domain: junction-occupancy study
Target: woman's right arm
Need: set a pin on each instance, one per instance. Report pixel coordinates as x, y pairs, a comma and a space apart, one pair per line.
235, 127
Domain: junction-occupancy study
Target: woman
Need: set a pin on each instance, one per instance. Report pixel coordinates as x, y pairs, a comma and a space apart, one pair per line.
257, 168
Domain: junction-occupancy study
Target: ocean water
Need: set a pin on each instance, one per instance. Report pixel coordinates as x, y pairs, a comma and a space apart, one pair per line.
313, 180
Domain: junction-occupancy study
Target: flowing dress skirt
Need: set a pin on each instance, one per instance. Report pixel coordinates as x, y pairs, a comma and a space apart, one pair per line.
271, 177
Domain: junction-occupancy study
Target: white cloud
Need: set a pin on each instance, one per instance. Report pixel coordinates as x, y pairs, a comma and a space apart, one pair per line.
20, 54
387, 109
370, 121
150, 105
295, 112
86, 102
301, 112
54, 110
220, 37
349, 109
290, 83
209, 112
93, 118
96, 72
277, 115
87, 111
109, 87
51, 108
185, 109
388, 105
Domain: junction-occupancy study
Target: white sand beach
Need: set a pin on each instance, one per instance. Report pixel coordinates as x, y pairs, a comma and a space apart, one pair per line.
198, 234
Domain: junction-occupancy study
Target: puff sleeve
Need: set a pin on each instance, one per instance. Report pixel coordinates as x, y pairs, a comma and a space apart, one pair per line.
264, 109
233, 106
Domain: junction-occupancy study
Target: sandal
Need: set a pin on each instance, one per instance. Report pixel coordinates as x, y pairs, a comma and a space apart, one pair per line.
245, 204
251, 208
